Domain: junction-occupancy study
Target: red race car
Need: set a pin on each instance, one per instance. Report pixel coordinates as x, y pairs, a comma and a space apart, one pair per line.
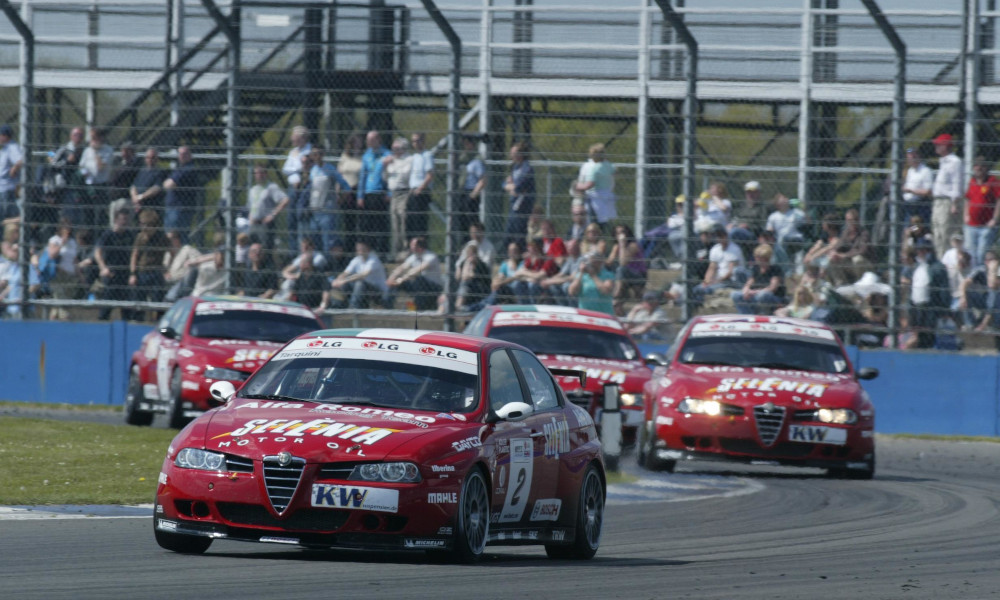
203, 340
388, 439
577, 339
759, 389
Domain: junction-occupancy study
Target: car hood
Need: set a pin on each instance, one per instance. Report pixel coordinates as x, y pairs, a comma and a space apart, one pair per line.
240, 355
322, 432
750, 386
630, 375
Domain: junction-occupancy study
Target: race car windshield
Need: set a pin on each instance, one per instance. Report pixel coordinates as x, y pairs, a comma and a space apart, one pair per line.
250, 325
368, 382
564, 340
771, 352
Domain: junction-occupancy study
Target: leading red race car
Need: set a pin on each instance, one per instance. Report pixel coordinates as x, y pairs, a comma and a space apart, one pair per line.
203, 340
388, 439
576, 339
750, 388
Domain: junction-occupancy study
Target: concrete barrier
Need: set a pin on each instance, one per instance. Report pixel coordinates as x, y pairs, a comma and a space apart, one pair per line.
87, 363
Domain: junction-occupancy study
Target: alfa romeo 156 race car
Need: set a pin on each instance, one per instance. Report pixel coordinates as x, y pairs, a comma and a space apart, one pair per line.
388, 439
203, 340
577, 339
750, 389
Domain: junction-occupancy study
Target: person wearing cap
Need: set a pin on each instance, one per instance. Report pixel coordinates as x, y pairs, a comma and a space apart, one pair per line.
11, 163
982, 211
917, 184
724, 259
750, 216
930, 293
947, 192
647, 321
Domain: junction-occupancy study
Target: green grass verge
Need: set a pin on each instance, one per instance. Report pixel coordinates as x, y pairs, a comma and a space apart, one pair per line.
44, 461
619, 477
57, 406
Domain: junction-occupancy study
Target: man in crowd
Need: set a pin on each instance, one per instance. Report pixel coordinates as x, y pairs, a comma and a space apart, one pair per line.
750, 216
947, 192
363, 281
112, 254
324, 185
183, 189
520, 186
11, 163
147, 187
647, 321
95, 168
930, 293
785, 222
372, 202
982, 210
724, 259
296, 177
420, 275
578, 218
764, 290
421, 182
917, 185
467, 209
397, 169
265, 201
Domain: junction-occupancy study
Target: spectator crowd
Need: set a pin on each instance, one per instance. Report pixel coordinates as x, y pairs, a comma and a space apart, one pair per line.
356, 232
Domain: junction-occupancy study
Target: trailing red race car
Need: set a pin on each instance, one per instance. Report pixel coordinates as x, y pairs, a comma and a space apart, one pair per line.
749, 388
577, 339
388, 439
203, 340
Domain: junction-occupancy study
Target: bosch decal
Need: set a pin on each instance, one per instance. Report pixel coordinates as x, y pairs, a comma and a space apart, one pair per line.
546, 509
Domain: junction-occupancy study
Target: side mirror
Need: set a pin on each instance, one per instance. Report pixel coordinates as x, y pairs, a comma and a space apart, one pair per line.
513, 411
655, 359
221, 392
867, 373
169, 332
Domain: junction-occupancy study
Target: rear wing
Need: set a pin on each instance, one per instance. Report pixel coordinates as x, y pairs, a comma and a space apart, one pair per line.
581, 375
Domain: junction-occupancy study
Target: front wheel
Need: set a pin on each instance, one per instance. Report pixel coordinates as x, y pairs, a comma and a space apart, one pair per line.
589, 520
472, 520
184, 544
133, 414
647, 457
867, 473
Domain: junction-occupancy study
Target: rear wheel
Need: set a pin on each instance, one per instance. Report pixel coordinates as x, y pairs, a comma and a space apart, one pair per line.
589, 520
472, 520
184, 544
133, 414
175, 405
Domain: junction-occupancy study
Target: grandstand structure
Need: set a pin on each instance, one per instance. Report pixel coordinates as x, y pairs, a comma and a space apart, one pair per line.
815, 99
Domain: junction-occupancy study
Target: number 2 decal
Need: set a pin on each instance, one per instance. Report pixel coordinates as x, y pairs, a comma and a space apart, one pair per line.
521, 478
521, 463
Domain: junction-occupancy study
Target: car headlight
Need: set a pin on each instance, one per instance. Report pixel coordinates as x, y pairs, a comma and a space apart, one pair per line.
631, 399
391, 472
695, 406
203, 460
840, 416
224, 374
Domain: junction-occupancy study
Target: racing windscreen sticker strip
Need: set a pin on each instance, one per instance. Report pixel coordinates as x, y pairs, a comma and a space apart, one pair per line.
416, 353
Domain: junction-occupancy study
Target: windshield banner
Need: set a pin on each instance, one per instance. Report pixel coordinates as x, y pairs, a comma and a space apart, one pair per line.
430, 355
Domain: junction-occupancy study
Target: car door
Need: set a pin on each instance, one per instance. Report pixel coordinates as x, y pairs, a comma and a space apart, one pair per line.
167, 354
549, 430
519, 475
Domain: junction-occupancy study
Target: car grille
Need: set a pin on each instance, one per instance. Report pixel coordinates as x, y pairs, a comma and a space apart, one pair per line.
305, 520
336, 470
281, 482
238, 464
769, 419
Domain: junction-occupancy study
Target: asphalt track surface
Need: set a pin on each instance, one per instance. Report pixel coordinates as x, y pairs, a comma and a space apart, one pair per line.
928, 527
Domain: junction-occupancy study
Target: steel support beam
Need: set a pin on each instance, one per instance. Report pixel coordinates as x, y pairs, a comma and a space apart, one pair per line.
25, 131
690, 119
454, 102
896, 178
230, 26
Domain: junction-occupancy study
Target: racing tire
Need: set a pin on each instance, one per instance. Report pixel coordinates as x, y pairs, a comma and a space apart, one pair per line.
175, 404
180, 543
589, 521
640, 444
133, 414
472, 519
648, 454
858, 474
